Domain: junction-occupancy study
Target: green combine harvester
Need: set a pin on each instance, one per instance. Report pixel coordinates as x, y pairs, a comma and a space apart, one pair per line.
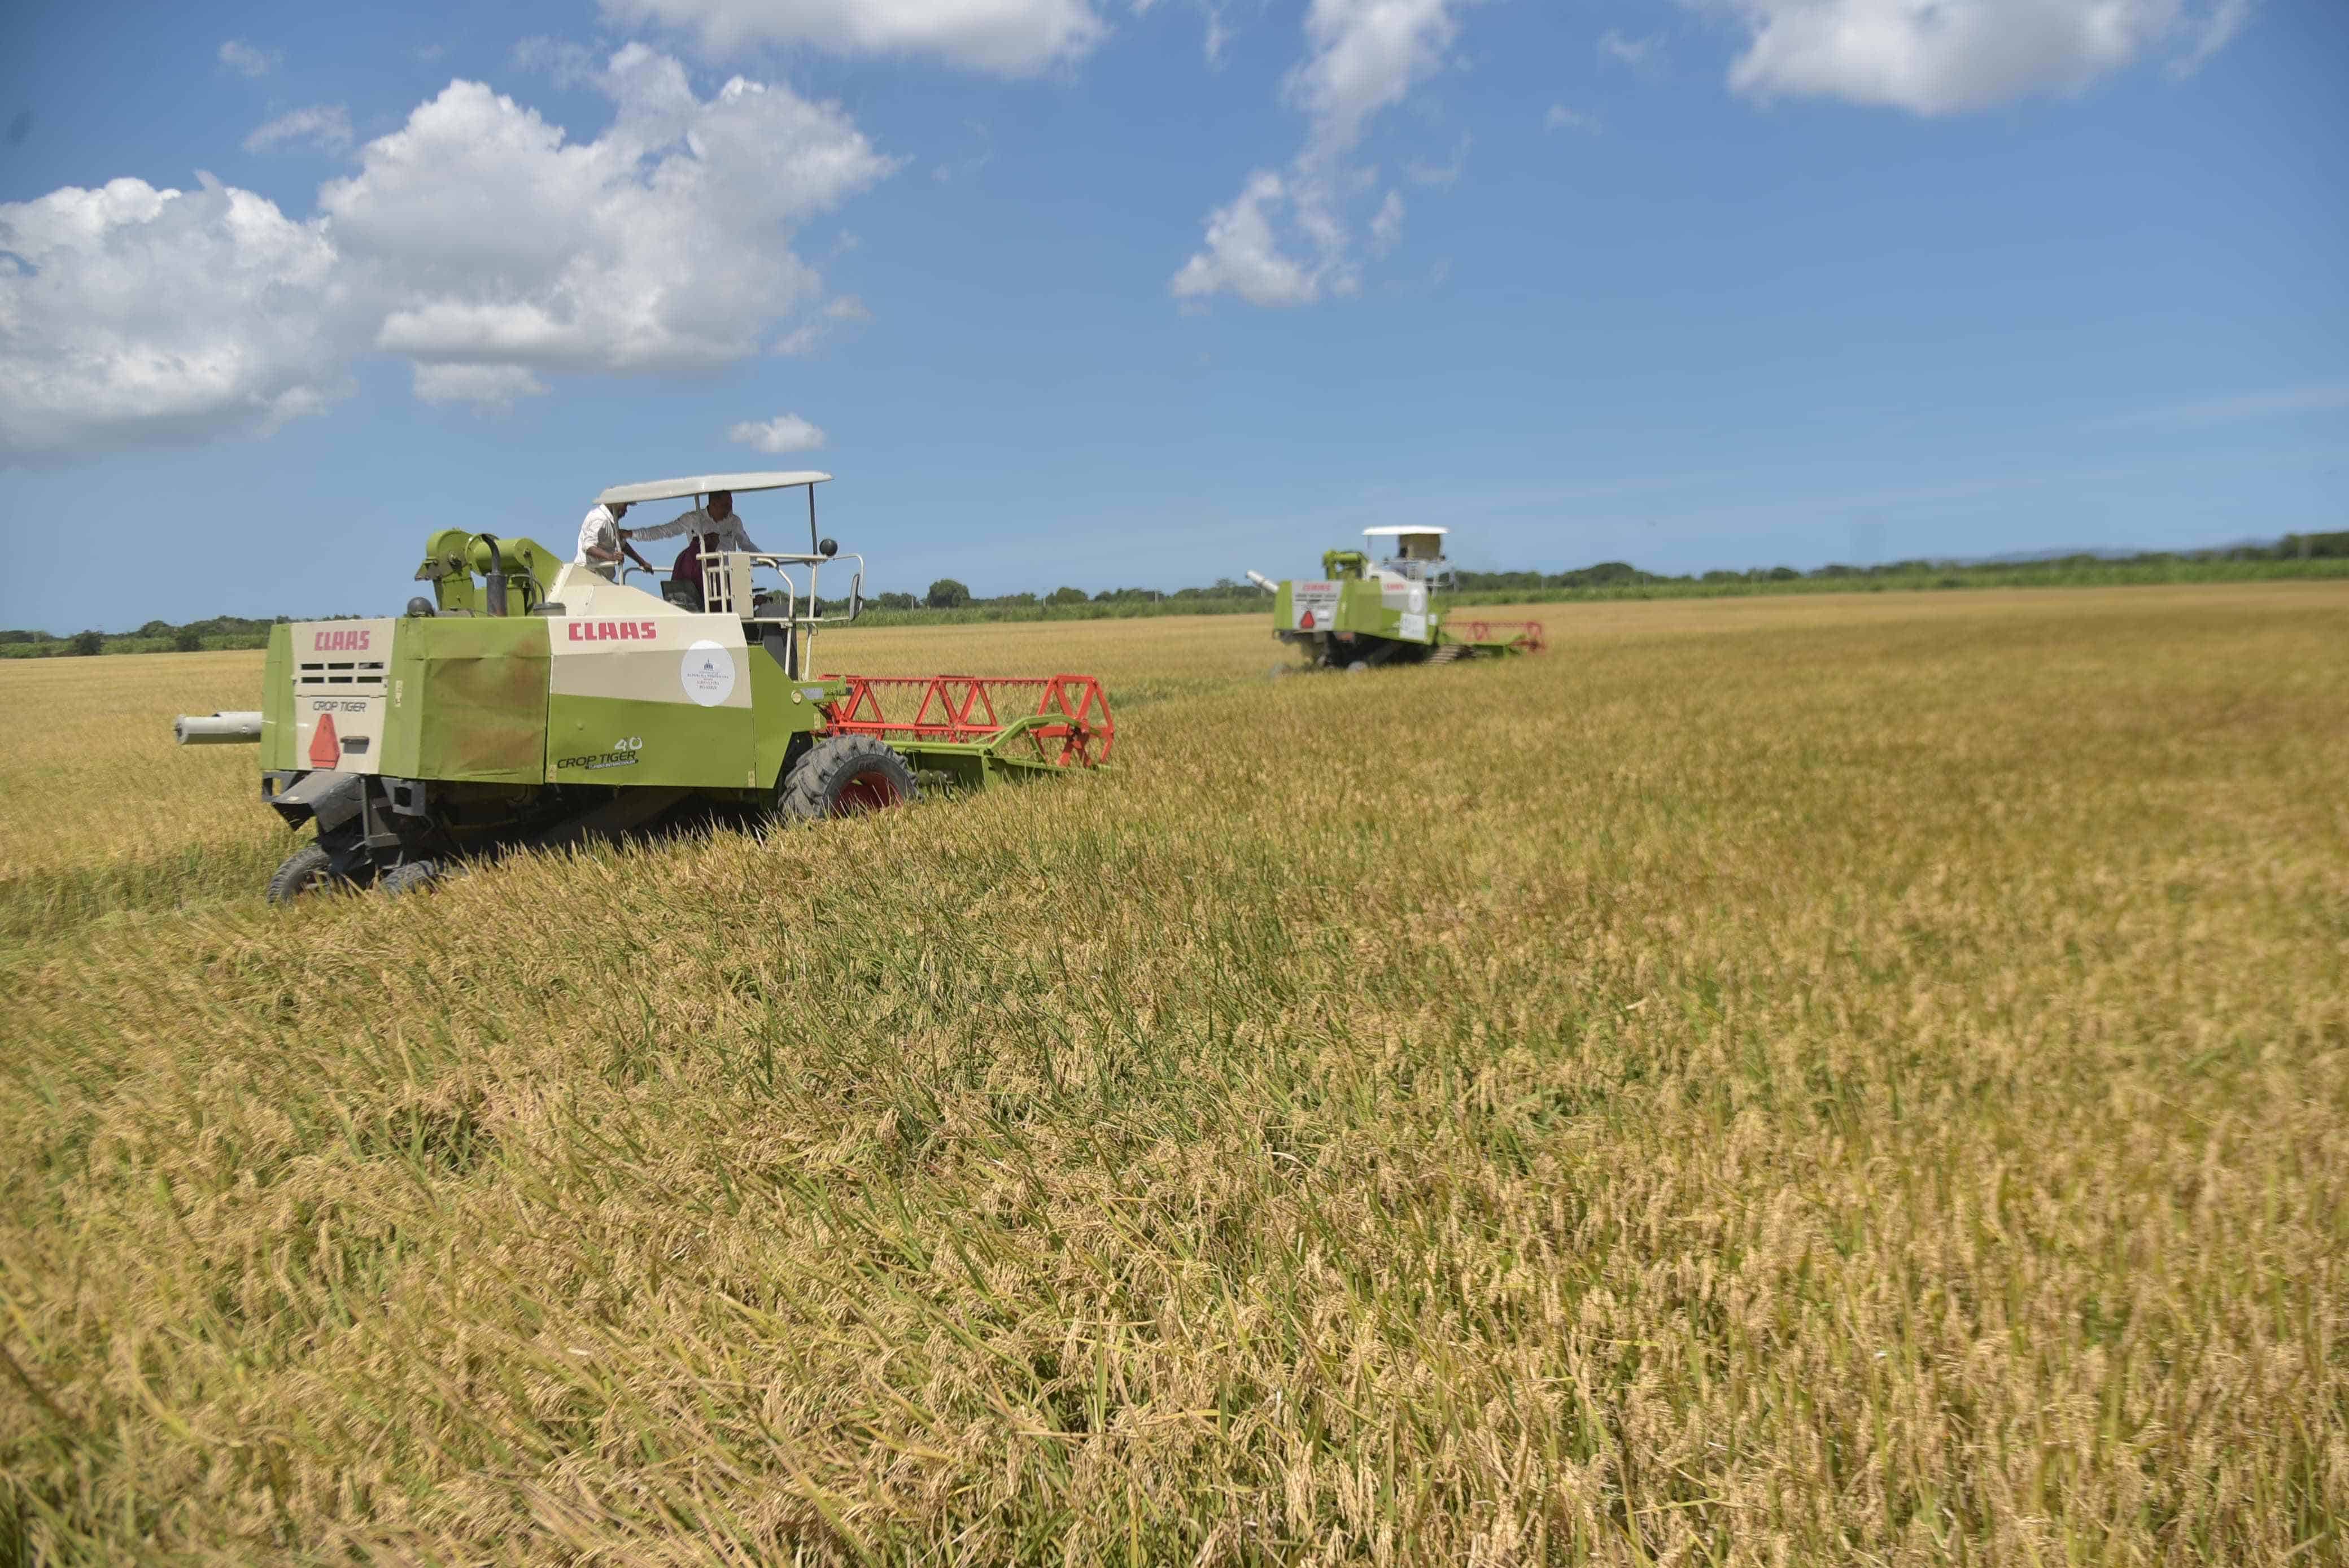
1363, 613
532, 701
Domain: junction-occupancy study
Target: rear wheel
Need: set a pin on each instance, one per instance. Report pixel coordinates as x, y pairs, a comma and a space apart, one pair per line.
844, 777
306, 871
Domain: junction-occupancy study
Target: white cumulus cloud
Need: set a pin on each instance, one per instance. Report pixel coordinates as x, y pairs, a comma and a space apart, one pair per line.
1008, 37
1636, 53
248, 61
2210, 33
484, 385
784, 433
568, 64
1285, 240
660, 245
1947, 56
1243, 257
326, 127
132, 315
844, 312
1419, 172
477, 240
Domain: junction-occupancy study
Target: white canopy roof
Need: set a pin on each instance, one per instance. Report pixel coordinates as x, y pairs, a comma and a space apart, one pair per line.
702, 484
1406, 528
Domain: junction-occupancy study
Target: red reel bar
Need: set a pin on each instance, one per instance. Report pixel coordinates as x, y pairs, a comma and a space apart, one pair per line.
1527, 634
958, 708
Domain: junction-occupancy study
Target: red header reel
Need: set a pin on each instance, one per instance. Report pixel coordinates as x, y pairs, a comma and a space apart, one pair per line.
1077, 730
1526, 635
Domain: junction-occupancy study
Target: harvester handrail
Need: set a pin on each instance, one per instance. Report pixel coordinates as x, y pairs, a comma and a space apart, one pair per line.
718, 594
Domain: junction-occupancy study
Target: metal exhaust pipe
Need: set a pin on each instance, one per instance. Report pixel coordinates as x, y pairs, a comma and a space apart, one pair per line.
494, 579
220, 729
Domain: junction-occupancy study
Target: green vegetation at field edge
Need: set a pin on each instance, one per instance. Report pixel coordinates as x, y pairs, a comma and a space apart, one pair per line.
217, 633
2294, 557
1612, 582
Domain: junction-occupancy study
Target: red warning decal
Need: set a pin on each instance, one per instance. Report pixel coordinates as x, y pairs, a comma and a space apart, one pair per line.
325, 747
1305, 621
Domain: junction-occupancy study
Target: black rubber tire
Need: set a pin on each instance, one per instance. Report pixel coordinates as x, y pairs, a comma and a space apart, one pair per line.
843, 777
409, 876
303, 870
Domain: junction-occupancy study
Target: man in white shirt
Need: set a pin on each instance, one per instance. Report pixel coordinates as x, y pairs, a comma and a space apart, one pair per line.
602, 539
713, 527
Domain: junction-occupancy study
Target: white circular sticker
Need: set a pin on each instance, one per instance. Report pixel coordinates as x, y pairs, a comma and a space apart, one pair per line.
707, 673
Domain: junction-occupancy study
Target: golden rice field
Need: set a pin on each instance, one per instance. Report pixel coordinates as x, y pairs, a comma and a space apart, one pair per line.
1773, 1081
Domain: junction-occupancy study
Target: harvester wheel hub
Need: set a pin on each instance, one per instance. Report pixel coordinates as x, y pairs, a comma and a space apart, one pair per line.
869, 792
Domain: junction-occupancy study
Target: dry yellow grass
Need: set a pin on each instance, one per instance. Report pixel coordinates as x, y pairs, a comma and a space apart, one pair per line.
1772, 1082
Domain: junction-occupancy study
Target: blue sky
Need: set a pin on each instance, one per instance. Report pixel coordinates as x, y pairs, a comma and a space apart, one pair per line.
1087, 292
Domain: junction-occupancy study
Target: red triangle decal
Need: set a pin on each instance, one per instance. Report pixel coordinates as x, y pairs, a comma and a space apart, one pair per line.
325, 746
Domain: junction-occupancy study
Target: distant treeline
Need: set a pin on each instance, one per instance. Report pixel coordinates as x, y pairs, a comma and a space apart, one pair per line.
154, 637
2294, 555
949, 602
2290, 552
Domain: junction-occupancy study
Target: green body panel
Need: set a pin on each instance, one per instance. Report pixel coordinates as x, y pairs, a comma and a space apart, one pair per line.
780, 720
1362, 610
623, 740
466, 700
277, 701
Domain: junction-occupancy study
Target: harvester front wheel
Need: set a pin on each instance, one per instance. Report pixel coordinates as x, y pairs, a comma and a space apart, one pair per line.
306, 869
409, 876
844, 777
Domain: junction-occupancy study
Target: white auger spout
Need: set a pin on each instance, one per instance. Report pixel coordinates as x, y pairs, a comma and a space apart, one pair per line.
1261, 581
217, 729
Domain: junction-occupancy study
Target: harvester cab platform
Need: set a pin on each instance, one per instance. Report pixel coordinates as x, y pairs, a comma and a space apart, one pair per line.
781, 615
535, 701
1380, 605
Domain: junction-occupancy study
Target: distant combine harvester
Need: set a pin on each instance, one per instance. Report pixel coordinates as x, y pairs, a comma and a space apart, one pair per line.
1361, 614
